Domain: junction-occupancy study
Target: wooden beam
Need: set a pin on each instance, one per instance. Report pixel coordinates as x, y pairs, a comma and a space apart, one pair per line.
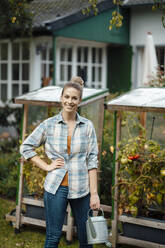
18, 207
139, 243
143, 222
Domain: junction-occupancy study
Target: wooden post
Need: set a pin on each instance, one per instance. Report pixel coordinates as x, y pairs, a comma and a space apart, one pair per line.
143, 120
100, 128
20, 191
115, 207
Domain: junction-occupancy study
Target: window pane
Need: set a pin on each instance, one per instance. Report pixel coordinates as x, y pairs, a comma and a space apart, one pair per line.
25, 51
62, 72
82, 72
43, 54
3, 71
94, 55
50, 54
100, 74
25, 88
3, 92
69, 54
15, 51
25, 71
100, 55
50, 70
160, 55
78, 70
69, 72
4, 51
15, 71
43, 70
85, 54
15, 90
79, 54
62, 54
93, 74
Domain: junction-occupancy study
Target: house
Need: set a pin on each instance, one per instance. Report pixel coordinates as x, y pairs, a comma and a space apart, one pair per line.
65, 43
142, 20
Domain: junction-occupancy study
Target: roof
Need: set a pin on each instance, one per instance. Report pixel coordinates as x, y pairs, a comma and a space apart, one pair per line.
141, 99
50, 95
47, 12
138, 2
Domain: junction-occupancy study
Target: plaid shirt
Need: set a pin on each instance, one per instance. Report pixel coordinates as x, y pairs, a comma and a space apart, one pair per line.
53, 134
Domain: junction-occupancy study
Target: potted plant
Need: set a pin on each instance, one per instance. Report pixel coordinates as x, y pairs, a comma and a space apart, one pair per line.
141, 183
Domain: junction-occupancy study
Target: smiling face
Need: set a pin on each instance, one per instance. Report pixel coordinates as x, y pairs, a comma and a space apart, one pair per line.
70, 99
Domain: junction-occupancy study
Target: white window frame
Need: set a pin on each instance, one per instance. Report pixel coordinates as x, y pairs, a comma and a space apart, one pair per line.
20, 61
10, 62
47, 62
74, 43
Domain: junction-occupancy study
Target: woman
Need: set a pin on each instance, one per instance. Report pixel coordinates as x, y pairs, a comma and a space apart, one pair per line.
71, 144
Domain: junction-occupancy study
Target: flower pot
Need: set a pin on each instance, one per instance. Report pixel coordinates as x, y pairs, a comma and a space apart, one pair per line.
145, 233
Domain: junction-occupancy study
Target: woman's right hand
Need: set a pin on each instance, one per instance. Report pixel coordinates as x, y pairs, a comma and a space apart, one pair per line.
56, 164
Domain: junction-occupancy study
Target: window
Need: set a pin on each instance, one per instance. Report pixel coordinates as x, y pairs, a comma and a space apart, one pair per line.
3, 71
65, 63
46, 65
160, 52
14, 69
85, 59
20, 68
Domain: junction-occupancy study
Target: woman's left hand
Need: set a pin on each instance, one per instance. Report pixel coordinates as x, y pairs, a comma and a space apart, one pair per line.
94, 201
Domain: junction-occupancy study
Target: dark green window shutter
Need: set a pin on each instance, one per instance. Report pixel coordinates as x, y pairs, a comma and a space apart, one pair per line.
119, 68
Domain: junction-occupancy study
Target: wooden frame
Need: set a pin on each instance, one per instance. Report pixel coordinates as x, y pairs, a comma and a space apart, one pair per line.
117, 238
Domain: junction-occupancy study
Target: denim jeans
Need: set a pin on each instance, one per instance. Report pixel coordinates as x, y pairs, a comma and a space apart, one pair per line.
55, 211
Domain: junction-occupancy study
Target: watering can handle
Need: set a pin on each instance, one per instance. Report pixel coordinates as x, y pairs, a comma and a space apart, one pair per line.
92, 228
100, 209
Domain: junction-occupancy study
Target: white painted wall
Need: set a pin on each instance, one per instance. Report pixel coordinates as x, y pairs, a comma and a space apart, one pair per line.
143, 20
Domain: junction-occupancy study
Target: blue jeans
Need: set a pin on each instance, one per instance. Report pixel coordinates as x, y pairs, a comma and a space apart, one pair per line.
55, 211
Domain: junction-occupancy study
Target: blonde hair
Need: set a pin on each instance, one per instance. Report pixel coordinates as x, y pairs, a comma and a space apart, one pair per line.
76, 83
77, 79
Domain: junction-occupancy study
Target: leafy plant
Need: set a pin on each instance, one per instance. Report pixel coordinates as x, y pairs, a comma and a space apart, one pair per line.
159, 79
105, 181
141, 175
34, 176
15, 16
8, 173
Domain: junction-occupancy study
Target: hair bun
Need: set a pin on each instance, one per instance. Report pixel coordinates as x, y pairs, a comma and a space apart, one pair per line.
77, 80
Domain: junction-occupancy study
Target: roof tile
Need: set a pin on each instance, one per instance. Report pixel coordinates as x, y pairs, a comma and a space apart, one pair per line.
52, 10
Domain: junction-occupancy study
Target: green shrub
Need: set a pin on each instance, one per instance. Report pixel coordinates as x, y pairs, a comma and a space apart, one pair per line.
8, 173
105, 181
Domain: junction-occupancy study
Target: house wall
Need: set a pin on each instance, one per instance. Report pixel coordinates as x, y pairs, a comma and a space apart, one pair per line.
97, 29
143, 20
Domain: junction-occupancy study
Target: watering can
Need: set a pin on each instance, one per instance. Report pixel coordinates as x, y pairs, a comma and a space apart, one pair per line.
97, 229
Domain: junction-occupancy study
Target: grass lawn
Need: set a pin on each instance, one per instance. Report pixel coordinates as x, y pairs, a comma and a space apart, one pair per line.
30, 237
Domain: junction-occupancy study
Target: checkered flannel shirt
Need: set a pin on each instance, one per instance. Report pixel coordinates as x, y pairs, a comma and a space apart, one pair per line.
53, 134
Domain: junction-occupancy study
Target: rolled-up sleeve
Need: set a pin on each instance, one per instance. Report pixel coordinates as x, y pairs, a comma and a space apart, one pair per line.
92, 153
34, 140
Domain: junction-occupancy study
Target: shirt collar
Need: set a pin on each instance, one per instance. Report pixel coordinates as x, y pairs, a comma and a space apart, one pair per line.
79, 118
